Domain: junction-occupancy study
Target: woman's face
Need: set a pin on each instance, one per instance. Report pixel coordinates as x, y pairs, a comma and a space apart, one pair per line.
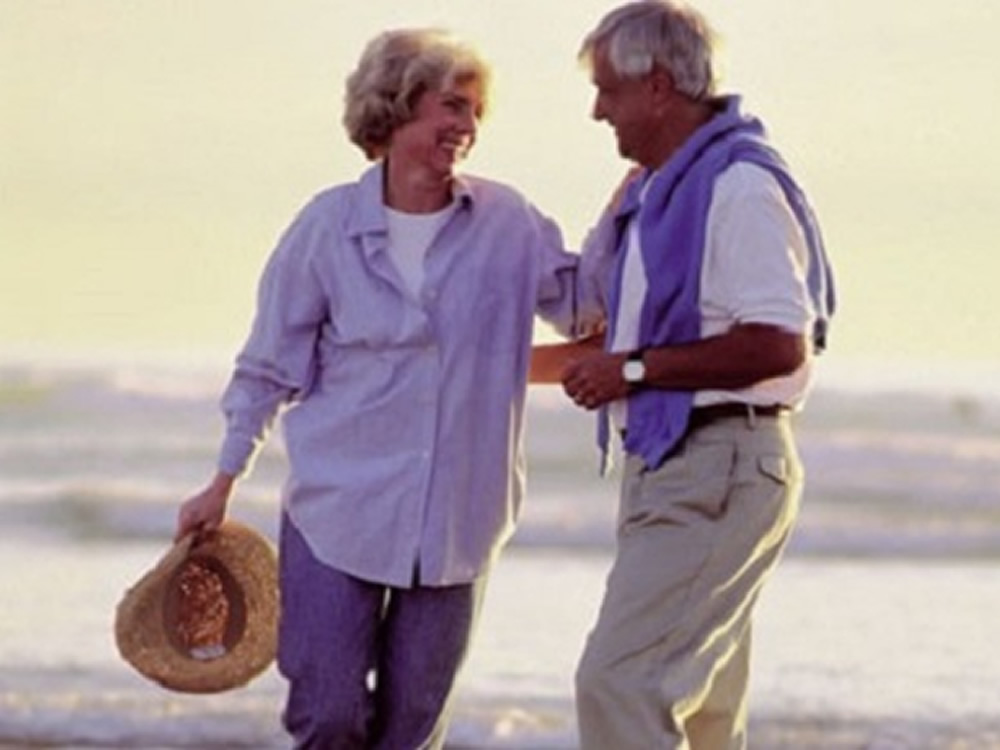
442, 131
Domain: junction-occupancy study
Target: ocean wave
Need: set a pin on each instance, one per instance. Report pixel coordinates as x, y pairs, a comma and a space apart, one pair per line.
98, 507
111, 451
32, 383
844, 387
46, 446
858, 526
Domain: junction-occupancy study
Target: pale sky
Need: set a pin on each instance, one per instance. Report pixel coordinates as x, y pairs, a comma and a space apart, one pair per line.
151, 151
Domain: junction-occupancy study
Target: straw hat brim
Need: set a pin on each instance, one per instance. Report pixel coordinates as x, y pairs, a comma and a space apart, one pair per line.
146, 618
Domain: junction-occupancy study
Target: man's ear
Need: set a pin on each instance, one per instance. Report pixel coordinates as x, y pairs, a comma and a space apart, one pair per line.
661, 85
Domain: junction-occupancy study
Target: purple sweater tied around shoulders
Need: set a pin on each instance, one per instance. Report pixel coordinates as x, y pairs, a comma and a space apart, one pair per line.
672, 230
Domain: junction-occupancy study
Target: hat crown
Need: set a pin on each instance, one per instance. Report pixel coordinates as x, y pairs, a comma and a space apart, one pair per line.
204, 610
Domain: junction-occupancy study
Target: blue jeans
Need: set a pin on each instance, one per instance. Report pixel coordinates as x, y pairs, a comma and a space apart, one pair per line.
368, 666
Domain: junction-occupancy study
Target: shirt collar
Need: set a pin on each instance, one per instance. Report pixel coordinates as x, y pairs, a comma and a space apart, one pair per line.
368, 216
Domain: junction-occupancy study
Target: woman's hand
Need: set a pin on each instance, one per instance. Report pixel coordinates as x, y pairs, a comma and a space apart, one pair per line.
619, 192
549, 361
206, 510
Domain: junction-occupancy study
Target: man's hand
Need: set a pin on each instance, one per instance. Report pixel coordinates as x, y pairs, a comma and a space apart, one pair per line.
596, 379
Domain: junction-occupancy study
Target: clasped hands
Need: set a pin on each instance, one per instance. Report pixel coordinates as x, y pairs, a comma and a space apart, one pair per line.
594, 379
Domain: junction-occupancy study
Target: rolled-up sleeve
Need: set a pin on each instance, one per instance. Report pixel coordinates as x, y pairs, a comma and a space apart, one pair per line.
278, 361
570, 288
597, 261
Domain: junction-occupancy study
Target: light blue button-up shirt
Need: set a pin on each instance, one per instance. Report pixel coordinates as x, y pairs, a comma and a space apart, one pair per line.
405, 412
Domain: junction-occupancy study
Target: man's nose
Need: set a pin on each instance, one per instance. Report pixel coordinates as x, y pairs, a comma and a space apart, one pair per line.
597, 110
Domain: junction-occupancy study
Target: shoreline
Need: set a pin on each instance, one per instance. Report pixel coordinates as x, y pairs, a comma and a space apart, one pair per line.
838, 662
515, 723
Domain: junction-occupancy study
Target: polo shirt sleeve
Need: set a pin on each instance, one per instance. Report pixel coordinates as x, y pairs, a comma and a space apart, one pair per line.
754, 269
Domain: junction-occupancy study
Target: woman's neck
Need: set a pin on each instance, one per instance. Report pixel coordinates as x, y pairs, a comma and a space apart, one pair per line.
415, 190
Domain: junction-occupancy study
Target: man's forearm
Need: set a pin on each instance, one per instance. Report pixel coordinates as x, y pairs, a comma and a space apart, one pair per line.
745, 355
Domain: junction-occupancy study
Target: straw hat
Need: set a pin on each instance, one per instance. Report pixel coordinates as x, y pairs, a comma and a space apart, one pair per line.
205, 619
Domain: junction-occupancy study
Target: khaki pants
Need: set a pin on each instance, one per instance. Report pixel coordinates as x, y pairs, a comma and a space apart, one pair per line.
667, 663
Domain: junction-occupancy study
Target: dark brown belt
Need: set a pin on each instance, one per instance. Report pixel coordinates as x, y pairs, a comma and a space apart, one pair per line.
703, 415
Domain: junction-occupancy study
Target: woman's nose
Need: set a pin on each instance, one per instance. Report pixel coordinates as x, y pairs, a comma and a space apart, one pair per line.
468, 122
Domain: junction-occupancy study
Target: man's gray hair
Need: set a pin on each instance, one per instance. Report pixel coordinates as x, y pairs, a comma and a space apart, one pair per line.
641, 35
395, 69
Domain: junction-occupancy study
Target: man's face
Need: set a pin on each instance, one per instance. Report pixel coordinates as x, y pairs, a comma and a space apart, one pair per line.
626, 105
443, 129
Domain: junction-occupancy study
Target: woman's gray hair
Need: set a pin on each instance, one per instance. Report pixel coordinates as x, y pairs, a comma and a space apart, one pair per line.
640, 35
395, 69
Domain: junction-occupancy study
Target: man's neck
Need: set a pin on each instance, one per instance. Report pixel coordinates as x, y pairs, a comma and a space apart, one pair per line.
684, 122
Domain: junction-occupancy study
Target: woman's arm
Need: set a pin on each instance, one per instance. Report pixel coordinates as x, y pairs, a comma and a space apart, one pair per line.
205, 510
549, 361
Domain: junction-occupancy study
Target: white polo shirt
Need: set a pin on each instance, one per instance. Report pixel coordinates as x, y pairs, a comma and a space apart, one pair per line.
753, 271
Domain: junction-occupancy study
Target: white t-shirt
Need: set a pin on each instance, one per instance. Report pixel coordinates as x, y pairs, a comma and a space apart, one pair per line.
753, 271
410, 235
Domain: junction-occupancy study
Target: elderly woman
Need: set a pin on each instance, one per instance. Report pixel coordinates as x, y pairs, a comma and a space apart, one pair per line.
394, 322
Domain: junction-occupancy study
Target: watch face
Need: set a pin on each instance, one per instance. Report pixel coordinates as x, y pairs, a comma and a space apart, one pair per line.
634, 371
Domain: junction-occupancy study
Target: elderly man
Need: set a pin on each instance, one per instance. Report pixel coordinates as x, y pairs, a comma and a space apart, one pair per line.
717, 295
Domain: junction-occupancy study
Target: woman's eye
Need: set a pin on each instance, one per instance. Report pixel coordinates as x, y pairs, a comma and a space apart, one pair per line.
463, 107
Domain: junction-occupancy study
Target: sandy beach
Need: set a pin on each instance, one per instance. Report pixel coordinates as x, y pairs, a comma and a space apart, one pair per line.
848, 655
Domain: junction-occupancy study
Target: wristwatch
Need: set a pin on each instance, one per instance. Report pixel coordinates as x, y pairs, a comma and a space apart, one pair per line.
634, 369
